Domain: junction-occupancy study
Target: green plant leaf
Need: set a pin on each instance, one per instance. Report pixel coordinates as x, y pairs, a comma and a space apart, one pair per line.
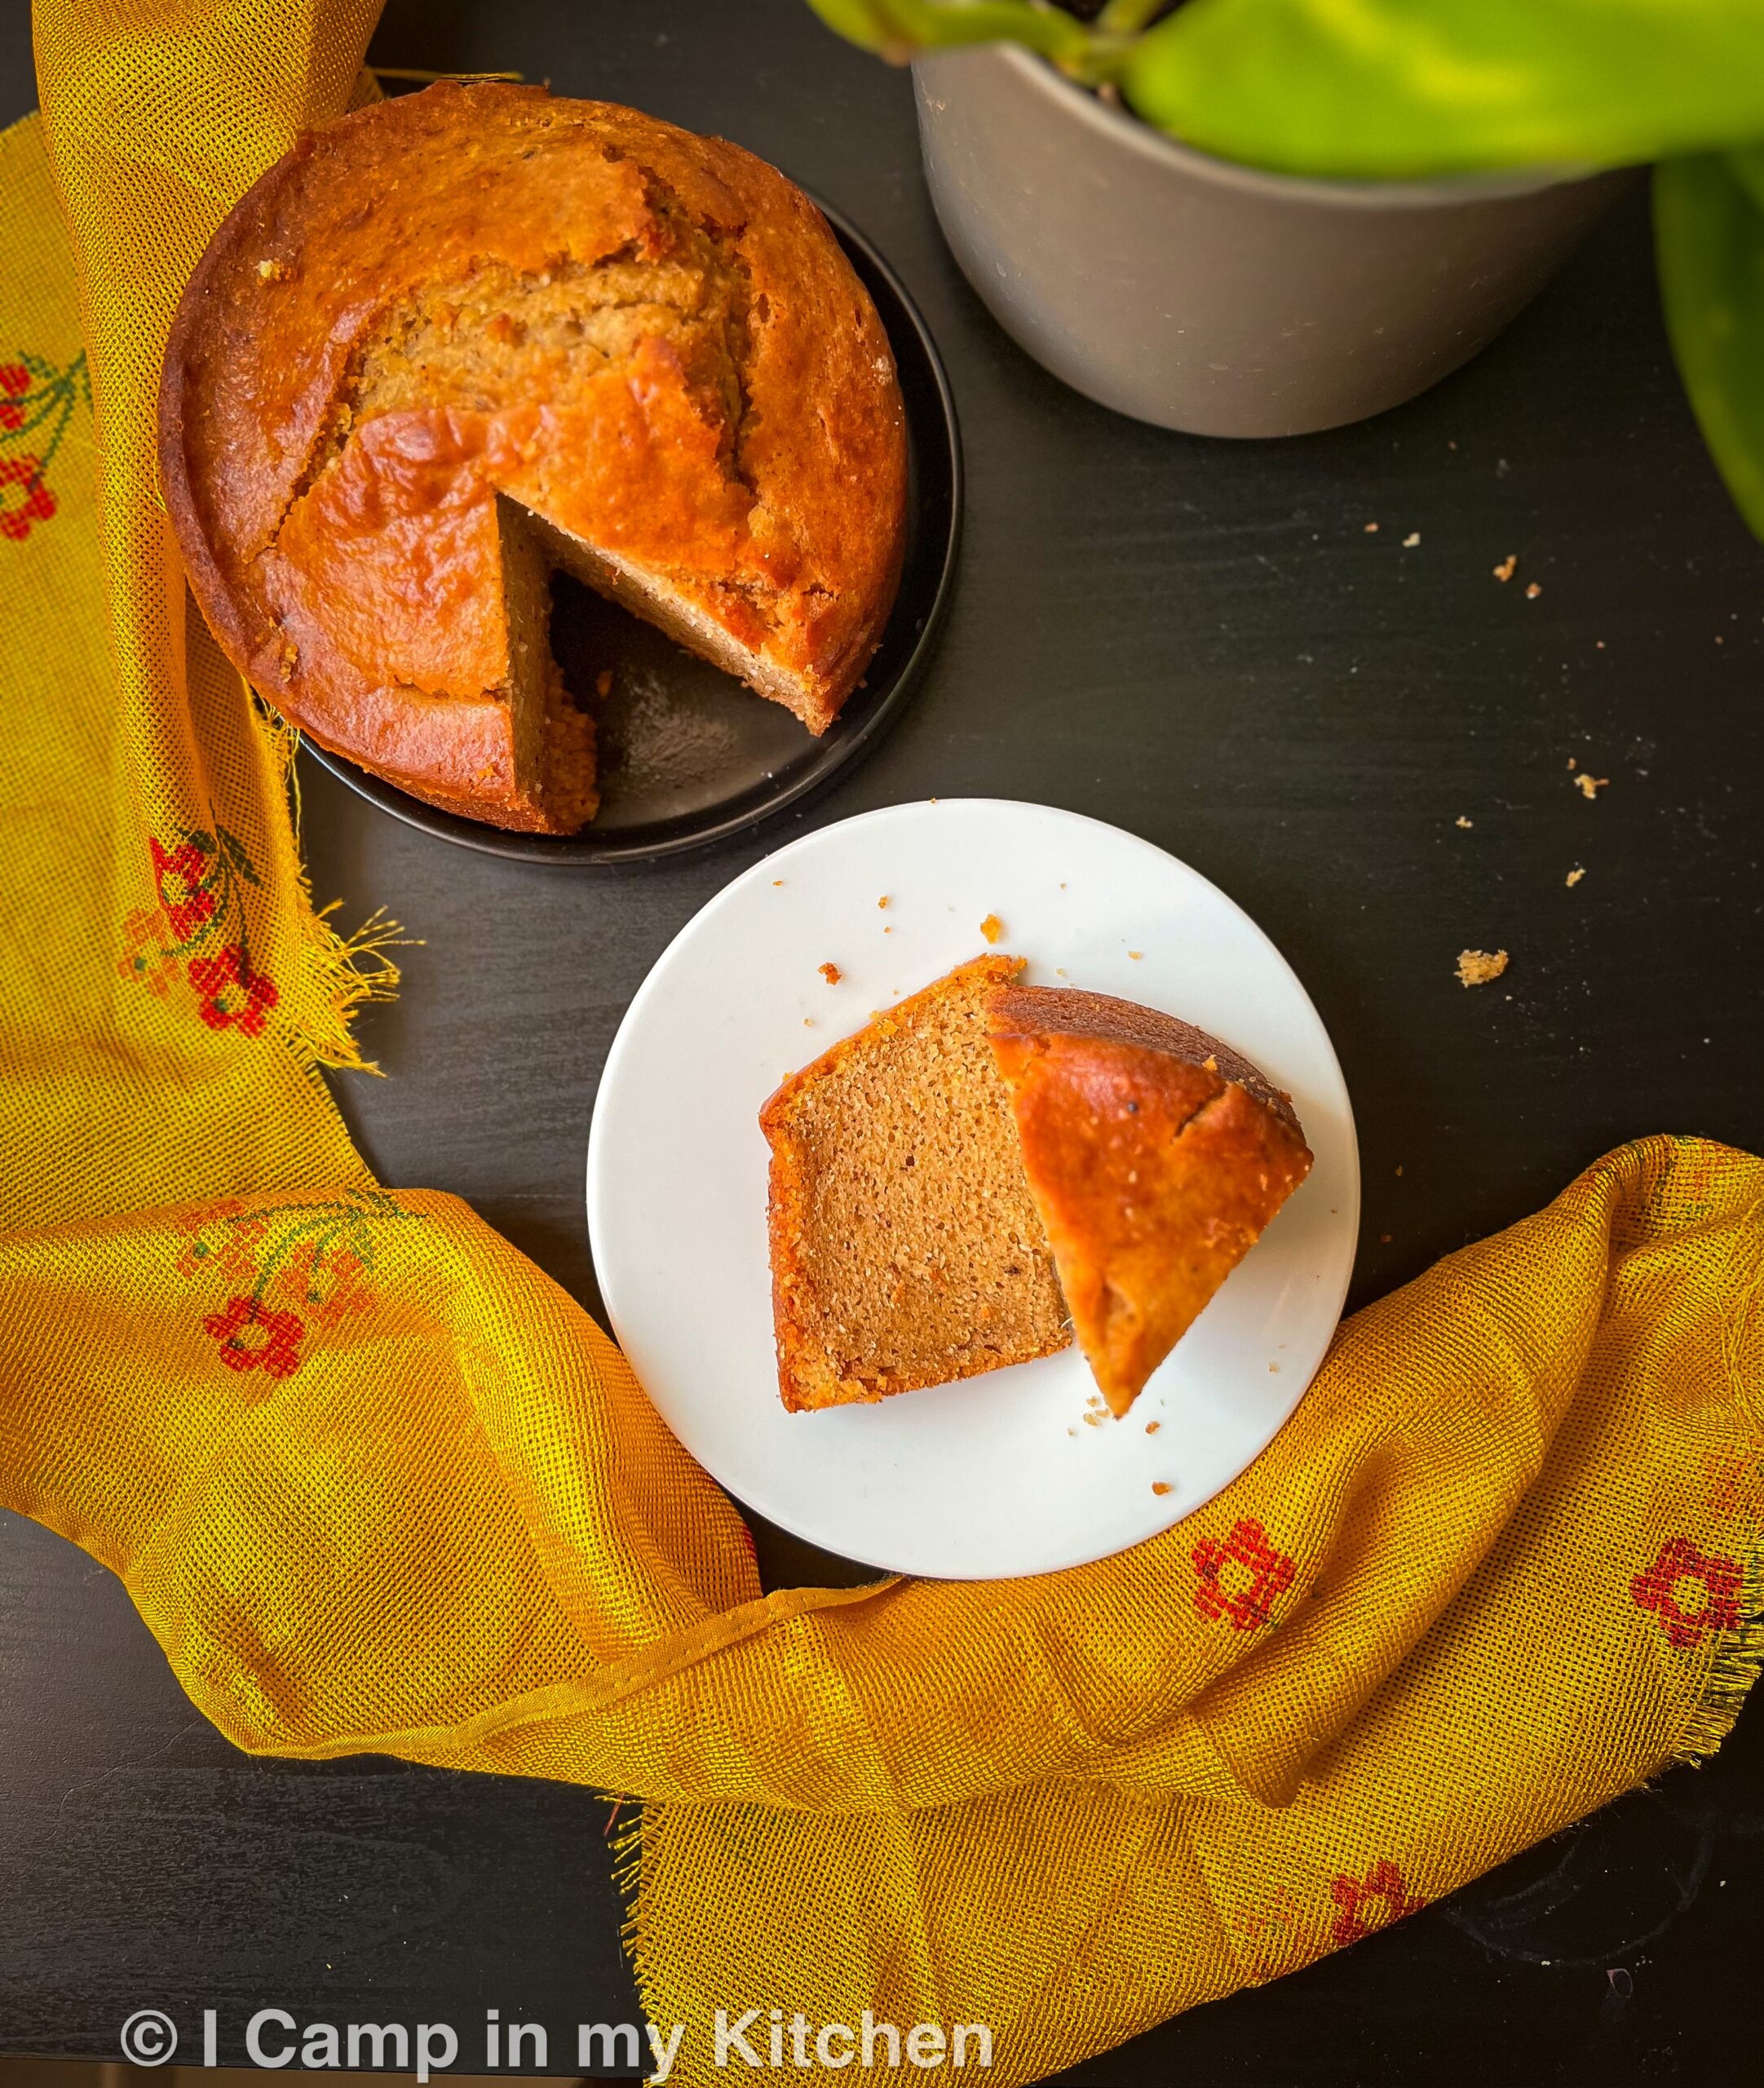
1390, 88
1747, 167
898, 27
1709, 229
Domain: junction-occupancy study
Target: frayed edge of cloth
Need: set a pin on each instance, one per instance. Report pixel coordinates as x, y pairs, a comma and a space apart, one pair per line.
1739, 1654
627, 1848
347, 973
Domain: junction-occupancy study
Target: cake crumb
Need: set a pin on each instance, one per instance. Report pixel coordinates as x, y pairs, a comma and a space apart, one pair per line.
777, 881
1574, 877
603, 683
1384, 1239
1400, 1167
883, 900
1059, 972
1161, 1487
1276, 1368
1508, 566
1465, 821
1151, 1427
808, 1022
1533, 590
274, 271
1590, 785
1411, 540
1093, 1421
1210, 1063
1372, 529
992, 927
1476, 967
1573, 764
1136, 954
831, 973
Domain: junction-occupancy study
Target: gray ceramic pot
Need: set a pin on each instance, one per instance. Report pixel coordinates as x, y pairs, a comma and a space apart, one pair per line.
1201, 295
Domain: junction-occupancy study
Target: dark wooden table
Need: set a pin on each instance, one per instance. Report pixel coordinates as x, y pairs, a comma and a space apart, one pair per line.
1201, 641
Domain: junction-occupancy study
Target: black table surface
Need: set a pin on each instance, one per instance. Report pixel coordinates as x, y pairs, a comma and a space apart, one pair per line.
1205, 643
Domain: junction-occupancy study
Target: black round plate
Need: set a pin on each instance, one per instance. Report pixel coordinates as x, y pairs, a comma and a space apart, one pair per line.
689, 755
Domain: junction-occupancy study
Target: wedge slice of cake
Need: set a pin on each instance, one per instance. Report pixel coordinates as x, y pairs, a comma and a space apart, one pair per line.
1156, 1156
906, 1247
989, 1169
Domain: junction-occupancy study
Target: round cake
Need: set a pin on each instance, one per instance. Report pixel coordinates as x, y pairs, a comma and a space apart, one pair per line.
462, 338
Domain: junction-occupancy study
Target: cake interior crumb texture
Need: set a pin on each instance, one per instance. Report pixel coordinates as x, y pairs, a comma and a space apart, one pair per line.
907, 1251
554, 736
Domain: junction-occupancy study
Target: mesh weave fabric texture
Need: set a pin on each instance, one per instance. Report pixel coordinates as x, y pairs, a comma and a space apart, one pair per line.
375, 1484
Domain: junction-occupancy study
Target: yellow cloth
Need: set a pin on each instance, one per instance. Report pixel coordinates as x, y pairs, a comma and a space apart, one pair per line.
375, 1484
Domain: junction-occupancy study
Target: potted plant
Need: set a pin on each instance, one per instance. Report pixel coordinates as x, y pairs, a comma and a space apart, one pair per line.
1263, 217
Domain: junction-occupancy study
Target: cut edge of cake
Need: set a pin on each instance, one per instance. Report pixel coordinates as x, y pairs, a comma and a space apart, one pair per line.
811, 1372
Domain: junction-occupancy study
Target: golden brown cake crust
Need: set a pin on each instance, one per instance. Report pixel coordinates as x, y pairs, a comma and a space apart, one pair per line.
1156, 1156
388, 334
1039, 1010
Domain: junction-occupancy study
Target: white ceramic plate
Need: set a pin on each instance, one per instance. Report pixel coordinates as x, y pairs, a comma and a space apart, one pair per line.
1001, 1474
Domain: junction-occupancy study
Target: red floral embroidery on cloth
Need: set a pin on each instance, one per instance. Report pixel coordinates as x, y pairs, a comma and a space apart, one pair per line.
33, 502
232, 994
1353, 1896
177, 878
1657, 1590
197, 937
328, 1286
1246, 1605
293, 1272
229, 1247
277, 1354
38, 400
